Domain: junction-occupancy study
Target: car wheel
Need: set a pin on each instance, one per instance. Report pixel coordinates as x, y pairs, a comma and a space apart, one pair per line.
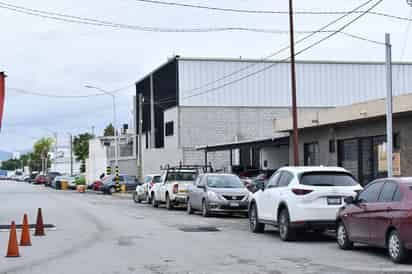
342, 237
154, 203
285, 231
169, 205
205, 211
136, 198
189, 208
397, 251
112, 190
254, 224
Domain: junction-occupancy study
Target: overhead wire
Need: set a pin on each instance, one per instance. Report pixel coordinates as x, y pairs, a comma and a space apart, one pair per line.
50, 95
249, 11
277, 62
207, 84
102, 23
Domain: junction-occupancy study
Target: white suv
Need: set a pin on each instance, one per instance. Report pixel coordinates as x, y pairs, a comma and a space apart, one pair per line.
301, 198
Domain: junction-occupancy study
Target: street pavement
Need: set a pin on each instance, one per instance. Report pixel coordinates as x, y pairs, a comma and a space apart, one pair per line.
107, 234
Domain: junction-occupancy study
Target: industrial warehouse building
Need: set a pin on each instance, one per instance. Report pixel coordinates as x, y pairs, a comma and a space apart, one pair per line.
225, 111
354, 137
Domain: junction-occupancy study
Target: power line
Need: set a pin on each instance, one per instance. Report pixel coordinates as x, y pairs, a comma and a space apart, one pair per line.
278, 51
299, 52
248, 11
100, 23
49, 95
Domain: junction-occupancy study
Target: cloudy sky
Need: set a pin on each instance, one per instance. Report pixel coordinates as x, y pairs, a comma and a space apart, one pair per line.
51, 57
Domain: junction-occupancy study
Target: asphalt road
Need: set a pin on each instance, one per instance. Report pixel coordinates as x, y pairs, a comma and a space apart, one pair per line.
104, 234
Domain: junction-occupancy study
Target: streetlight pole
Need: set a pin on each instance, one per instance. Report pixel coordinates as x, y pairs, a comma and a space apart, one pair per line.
116, 145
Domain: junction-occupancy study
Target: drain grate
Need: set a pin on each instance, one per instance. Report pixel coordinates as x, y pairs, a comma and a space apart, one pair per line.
199, 229
32, 226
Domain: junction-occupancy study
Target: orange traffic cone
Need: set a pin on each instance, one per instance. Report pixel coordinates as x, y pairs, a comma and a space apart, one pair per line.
13, 249
25, 233
39, 224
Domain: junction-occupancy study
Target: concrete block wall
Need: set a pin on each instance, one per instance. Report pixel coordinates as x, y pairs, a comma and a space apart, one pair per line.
216, 125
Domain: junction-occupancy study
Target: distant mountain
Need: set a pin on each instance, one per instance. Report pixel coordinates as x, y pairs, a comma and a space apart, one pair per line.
5, 155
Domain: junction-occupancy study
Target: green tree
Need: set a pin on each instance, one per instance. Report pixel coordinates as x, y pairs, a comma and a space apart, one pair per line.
81, 148
41, 149
11, 164
109, 130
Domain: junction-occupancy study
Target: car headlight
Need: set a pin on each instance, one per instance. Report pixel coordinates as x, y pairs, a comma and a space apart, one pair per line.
212, 196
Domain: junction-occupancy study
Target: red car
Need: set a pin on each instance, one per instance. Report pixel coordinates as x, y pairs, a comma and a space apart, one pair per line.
40, 179
381, 215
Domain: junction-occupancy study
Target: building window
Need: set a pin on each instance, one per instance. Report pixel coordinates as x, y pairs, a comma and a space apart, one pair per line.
169, 128
311, 154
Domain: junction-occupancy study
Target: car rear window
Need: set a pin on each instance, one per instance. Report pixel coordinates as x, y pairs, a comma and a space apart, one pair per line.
156, 179
181, 176
327, 179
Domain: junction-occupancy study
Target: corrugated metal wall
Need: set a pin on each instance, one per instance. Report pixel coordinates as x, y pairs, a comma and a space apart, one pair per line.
318, 84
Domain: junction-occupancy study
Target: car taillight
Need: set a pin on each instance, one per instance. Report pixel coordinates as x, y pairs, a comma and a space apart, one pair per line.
175, 188
299, 191
151, 184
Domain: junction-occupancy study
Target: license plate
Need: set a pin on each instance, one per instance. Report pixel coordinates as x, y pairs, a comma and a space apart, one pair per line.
234, 204
334, 200
183, 190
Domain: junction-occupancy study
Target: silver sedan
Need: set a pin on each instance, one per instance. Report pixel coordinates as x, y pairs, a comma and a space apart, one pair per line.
218, 193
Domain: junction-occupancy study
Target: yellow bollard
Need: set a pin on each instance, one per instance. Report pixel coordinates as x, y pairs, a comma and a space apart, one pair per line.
64, 185
123, 188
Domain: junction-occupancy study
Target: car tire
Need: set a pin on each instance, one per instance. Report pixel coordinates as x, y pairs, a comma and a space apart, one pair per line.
254, 224
205, 210
396, 248
286, 232
169, 205
136, 198
154, 202
342, 237
189, 208
112, 190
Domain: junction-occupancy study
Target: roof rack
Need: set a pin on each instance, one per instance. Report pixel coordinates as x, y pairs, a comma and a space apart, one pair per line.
205, 168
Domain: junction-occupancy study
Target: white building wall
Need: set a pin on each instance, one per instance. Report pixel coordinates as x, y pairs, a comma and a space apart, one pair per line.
275, 156
318, 83
97, 162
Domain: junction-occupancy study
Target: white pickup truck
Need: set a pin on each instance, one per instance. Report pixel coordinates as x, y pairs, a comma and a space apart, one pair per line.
173, 187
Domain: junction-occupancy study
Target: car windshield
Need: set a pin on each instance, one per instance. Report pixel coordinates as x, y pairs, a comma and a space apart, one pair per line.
327, 179
217, 181
181, 176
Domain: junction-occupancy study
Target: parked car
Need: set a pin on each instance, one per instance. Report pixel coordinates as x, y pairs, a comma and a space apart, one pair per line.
33, 176
305, 198
142, 192
96, 185
40, 179
50, 177
381, 215
18, 176
173, 186
59, 179
218, 193
109, 184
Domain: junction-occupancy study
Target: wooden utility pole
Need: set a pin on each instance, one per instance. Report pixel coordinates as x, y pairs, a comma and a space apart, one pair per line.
293, 77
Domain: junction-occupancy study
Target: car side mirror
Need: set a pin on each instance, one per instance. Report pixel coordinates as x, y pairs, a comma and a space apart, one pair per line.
349, 200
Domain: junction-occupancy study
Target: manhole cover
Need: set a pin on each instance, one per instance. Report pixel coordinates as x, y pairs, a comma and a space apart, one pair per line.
199, 229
